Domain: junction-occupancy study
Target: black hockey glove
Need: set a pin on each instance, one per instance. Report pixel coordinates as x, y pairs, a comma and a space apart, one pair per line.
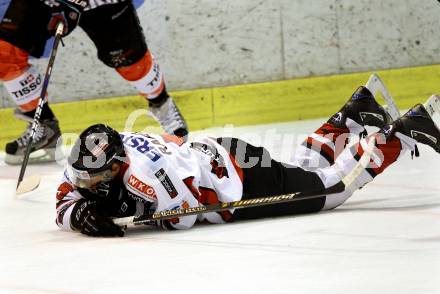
89, 221
66, 11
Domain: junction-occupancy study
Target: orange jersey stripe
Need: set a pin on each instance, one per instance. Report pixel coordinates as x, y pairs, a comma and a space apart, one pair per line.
30, 105
13, 61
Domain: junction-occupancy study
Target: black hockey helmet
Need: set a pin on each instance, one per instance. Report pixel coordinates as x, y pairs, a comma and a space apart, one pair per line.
93, 154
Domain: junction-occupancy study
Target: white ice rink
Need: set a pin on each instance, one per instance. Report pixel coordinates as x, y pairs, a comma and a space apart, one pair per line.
385, 239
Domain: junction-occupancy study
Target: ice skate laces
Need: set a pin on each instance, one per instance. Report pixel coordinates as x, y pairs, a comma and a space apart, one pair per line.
24, 138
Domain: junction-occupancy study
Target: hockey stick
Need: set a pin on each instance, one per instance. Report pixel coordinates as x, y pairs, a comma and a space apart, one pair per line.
344, 184
28, 184
375, 85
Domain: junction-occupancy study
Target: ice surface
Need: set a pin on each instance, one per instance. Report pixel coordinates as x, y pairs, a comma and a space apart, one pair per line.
385, 239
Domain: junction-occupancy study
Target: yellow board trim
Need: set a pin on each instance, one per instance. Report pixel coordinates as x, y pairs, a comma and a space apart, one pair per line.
250, 104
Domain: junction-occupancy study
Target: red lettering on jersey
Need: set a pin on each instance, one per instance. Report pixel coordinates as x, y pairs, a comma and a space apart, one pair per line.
140, 186
64, 189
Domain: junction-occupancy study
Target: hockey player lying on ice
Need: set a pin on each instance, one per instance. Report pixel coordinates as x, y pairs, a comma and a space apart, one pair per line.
116, 175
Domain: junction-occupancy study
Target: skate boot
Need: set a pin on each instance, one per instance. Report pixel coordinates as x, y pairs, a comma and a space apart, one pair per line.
169, 118
416, 124
44, 143
363, 109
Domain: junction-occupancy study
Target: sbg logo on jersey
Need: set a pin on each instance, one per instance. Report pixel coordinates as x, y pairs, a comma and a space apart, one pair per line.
141, 187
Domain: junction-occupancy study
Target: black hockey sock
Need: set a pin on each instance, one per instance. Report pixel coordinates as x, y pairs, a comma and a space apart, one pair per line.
159, 100
46, 113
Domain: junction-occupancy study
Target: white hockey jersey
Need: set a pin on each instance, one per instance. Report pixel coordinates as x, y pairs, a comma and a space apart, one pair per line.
161, 171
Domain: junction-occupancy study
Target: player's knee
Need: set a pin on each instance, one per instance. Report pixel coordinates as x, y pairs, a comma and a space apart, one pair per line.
13, 61
137, 70
122, 57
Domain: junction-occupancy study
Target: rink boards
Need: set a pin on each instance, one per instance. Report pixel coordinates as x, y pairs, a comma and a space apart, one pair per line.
250, 104
385, 239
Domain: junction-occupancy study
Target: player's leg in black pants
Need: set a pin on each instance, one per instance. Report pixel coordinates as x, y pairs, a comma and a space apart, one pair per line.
116, 32
264, 176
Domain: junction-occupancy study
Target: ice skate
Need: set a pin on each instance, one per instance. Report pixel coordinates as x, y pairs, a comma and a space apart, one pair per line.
363, 109
169, 117
418, 124
44, 143
377, 86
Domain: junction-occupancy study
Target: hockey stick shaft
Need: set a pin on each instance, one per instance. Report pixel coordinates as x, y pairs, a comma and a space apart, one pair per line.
41, 101
345, 183
175, 213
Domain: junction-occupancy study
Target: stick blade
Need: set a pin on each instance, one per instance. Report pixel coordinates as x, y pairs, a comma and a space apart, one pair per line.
28, 184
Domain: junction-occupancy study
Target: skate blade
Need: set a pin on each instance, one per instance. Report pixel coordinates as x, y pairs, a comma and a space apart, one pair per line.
433, 108
36, 157
27, 185
375, 85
